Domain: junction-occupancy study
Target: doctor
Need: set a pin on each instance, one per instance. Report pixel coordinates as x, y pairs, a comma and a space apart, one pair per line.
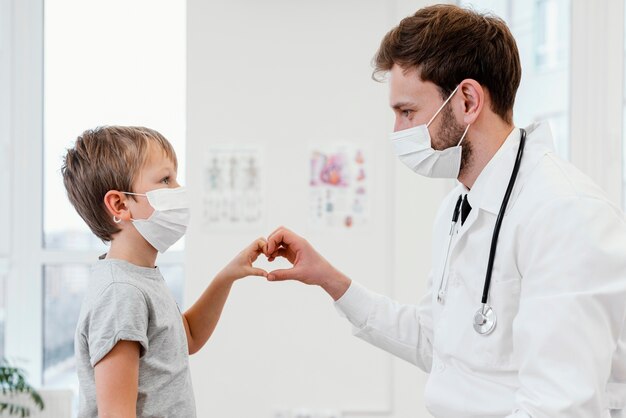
526, 310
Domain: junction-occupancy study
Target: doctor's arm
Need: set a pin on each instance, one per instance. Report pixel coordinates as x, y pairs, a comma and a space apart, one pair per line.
571, 308
402, 330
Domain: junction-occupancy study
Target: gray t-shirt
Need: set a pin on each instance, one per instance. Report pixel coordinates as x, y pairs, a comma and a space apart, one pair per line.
132, 303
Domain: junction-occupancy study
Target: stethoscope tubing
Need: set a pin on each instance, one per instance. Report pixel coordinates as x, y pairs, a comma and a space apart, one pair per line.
496, 229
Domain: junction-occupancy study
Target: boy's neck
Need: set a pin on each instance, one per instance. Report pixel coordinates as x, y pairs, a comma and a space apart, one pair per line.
138, 253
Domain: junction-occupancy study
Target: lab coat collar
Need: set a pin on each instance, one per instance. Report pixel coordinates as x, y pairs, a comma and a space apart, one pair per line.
491, 184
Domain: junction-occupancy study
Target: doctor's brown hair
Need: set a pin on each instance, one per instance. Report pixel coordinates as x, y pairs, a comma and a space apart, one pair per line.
447, 44
103, 159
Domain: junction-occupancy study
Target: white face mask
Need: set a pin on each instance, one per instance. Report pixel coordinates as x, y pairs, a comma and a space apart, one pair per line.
414, 148
168, 223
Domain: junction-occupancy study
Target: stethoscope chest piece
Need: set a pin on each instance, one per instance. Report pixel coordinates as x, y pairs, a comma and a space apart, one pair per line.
485, 320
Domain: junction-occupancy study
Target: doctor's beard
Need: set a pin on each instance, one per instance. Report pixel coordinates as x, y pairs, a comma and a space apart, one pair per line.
449, 135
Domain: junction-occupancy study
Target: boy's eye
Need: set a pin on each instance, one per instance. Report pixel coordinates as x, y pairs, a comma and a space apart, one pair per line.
166, 180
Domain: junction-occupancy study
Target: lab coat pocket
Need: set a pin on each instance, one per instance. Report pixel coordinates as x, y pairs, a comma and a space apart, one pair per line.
495, 350
455, 336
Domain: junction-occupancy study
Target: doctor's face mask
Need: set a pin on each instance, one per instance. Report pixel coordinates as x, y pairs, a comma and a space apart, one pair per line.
415, 149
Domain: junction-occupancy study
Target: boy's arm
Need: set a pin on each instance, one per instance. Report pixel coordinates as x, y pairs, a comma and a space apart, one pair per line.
117, 378
201, 319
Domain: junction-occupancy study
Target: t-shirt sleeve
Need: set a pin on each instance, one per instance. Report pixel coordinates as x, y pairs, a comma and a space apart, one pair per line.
120, 313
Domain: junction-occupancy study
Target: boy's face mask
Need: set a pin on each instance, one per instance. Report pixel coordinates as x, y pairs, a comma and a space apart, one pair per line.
168, 223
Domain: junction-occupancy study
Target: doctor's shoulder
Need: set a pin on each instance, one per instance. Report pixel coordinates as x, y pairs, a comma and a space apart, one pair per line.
555, 180
561, 214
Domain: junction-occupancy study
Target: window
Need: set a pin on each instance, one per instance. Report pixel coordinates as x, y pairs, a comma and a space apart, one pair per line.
64, 289
543, 40
550, 35
129, 74
105, 63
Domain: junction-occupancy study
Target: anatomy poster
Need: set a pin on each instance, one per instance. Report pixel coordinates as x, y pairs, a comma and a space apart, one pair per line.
338, 186
233, 193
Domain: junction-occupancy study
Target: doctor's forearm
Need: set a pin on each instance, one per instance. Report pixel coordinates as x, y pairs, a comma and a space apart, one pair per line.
403, 330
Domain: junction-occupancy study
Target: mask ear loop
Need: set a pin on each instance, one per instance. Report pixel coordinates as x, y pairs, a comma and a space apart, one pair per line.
133, 194
464, 133
118, 220
442, 106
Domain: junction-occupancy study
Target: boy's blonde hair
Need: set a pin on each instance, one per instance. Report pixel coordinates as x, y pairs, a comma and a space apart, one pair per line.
103, 159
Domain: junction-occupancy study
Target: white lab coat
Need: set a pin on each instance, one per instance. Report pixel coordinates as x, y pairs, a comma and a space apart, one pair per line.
558, 289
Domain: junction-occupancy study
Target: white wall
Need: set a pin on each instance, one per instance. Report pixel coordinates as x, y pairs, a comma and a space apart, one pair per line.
282, 75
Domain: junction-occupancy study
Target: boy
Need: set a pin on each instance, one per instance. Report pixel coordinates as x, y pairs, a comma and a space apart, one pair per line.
132, 343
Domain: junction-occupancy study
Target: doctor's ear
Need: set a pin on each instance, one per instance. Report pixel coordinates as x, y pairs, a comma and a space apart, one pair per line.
115, 203
473, 96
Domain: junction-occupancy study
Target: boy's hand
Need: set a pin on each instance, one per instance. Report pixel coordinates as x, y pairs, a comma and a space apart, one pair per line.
241, 266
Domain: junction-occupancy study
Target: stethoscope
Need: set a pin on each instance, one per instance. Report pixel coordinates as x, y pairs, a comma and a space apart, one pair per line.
485, 318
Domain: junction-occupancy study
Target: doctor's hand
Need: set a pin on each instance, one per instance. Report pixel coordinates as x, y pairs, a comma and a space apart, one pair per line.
309, 266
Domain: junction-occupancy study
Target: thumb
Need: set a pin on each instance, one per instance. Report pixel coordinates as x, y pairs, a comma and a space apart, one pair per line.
284, 274
253, 271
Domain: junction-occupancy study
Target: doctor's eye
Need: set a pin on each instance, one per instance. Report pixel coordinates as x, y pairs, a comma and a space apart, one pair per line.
406, 113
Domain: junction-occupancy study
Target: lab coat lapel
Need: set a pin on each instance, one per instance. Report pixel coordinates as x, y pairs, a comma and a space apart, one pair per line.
490, 186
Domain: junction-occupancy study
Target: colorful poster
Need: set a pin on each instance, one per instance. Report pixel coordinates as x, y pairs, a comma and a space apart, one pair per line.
339, 186
233, 193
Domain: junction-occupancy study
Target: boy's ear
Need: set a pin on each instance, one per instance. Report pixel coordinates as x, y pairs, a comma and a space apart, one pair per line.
115, 203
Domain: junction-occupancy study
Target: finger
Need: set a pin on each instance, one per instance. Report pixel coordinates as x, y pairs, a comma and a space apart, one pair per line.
281, 236
281, 252
284, 274
276, 230
275, 238
253, 271
255, 249
259, 246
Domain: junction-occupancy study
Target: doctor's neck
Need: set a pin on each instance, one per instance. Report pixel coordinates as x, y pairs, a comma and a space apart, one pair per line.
484, 139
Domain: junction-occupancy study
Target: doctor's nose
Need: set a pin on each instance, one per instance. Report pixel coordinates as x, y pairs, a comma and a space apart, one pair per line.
400, 124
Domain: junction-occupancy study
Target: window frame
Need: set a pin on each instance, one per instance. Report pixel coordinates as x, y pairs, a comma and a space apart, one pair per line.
24, 307
5, 160
596, 93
